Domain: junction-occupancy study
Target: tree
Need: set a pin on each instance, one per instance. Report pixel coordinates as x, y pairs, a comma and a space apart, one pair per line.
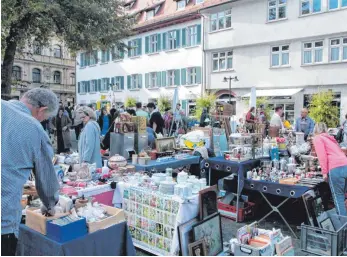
322, 109
207, 101
164, 102
130, 102
81, 24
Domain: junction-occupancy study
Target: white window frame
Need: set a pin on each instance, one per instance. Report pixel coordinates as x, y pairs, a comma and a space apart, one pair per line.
93, 86
280, 53
341, 46
191, 76
192, 35
310, 2
116, 54
104, 56
277, 6
93, 58
223, 56
182, 6
57, 79
150, 14
153, 43
339, 5
220, 16
171, 78
17, 74
172, 39
37, 48
104, 85
73, 78
135, 81
313, 50
57, 53
133, 49
83, 88
152, 80
117, 84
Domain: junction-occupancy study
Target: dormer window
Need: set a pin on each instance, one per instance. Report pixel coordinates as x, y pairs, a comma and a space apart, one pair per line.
149, 14
181, 4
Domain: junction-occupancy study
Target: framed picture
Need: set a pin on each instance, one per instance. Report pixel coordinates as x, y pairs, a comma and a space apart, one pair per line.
308, 199
197, 248
210, 231
327, 224
208, 201
165, 144
185, 235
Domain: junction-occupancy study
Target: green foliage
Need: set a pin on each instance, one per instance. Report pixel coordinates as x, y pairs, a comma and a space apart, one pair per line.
206, 101
130, 102
164, 102
322, 109
263, 100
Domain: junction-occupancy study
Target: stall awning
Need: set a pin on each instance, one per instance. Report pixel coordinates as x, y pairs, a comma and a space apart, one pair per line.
275, 92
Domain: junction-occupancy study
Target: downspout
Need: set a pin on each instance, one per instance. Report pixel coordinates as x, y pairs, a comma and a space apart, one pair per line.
203, 86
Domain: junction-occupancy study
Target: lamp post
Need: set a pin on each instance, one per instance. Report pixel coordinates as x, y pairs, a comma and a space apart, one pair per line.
226, 79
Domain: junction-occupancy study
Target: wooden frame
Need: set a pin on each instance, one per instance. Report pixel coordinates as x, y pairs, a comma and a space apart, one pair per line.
200, 244
205, 199
327, 224
165, 144
184, 231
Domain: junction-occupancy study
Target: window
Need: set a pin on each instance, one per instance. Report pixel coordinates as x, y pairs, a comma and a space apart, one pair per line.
36, 75
83, 88
135, 81
336, 4
117, 53
313, 52
17, 73
149, 14
192, 35
93, 86
135, 47
288, 109
310, 6
222, 61
221, 20
57, 77
37, 49
93, 57
105, 56
181, 4
280, 56
73, 78
191, 76
57, 51
277, 9
117, 84
171, 77
105, 84
153, 42
338, 49
153, 79
172, 39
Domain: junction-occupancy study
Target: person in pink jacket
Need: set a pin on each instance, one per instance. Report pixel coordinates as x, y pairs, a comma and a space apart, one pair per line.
333, 163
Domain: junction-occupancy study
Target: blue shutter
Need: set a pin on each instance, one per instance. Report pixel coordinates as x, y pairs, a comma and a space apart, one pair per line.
96, 56
184, 32
159, 42
88, 86
121, 53
82, 59
129, 82
164, 41
146, 45
79, 87
198, 75
121, 78
139, 49
158, 79
177, 77
199, 34
178, 40
108, 56
113, 81
139, 78
147, 80
87, 59
129, 48
183, 76
107, 84
99, 85
163, 79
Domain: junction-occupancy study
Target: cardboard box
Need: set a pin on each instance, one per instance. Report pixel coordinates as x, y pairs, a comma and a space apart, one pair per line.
117, 217
247, 250
38, 222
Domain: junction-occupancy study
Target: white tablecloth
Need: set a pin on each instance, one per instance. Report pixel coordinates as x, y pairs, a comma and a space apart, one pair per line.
187, 211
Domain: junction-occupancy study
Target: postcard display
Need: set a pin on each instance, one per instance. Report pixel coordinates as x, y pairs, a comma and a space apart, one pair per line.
151, 218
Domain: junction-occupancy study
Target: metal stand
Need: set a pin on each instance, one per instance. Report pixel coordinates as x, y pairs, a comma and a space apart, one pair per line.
276, 209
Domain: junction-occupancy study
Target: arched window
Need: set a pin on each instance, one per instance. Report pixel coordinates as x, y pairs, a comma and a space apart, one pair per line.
57, 77
36, 75
57, 51
73, 78
17, 73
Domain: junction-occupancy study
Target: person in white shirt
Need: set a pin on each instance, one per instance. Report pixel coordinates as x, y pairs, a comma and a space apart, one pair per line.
276, 120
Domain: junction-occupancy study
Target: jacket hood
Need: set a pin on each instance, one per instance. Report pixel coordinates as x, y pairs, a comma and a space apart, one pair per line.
327, 136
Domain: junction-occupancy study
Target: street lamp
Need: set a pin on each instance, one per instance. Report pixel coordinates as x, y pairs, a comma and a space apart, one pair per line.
226, 79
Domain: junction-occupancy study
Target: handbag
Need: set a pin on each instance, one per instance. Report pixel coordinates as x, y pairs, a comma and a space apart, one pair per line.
339, 136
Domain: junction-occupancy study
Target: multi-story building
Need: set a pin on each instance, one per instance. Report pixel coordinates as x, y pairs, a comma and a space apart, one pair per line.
164, 53
286, 49
50, 67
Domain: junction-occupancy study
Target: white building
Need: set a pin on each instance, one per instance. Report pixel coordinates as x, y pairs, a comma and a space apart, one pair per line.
287, 49
50, 67
165, 53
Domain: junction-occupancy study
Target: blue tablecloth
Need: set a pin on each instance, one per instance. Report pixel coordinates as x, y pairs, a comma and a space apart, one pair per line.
112, 241
161, 166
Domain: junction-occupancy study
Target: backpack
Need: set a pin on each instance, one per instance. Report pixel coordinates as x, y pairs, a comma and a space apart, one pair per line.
339, 136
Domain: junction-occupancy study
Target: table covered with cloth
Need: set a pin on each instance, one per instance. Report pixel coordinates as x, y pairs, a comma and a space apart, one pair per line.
112, 241
186, 211
174, 163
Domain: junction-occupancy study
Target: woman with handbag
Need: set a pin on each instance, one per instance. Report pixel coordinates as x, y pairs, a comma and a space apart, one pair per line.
250, 120
61, 126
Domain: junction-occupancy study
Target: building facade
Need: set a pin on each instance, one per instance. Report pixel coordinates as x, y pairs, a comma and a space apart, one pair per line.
50, 67
286, 49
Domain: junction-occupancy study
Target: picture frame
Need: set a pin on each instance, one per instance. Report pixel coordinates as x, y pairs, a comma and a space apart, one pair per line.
327, 224
208, 201
185, 235
197, 248
165, 144
308, 199
210, 230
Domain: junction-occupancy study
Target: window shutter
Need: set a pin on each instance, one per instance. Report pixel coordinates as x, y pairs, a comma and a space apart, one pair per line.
184, 105
139, 78
121, 53
163, 79
107, 84
158, 79
129, 82
146, 45
159, 42
96, 57
99, 85
139, 49
121, 78
88, 86
164, 40
113, 81
198, 75
184, 31
177, 77
183, 76
82, 59
147, 80
79, 87
178, 40
199, 34
108, 56
129, 48
87, 59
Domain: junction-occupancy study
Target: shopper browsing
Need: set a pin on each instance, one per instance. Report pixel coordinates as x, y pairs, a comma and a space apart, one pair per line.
276, 120
25, 147
304, 124
104, 121
156, 121
140, 112
333, 163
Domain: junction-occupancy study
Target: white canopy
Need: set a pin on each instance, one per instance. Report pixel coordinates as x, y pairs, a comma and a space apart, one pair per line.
275, 92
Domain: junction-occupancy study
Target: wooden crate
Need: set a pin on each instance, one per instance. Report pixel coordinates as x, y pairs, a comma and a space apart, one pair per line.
117, 217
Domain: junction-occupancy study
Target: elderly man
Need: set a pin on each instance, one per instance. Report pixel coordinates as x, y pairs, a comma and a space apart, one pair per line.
25, 147
304, 124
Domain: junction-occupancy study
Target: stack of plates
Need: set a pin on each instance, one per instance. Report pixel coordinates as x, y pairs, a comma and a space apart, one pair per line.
167, 187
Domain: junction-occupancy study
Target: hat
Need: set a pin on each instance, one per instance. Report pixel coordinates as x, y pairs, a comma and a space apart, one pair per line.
87, 111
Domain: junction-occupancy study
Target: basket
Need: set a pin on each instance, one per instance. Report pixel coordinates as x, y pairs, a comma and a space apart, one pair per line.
324, 242
229, 211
